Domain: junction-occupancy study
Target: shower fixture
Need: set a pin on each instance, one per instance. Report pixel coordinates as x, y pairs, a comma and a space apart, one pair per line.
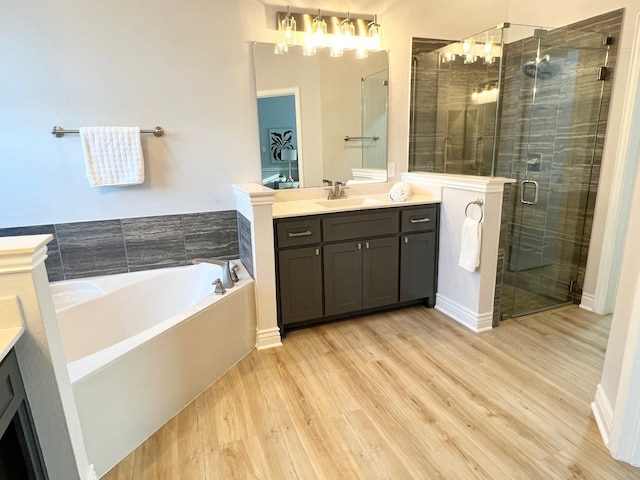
542, 68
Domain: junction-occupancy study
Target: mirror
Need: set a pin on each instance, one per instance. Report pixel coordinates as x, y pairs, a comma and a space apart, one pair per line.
328, 115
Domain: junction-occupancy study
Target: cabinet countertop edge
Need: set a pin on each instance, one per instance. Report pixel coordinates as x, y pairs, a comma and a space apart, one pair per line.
301, 208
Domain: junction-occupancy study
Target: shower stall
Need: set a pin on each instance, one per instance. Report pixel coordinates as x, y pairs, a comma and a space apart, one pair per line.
528, 103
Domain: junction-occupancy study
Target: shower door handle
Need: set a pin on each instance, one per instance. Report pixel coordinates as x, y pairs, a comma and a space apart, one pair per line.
523, 186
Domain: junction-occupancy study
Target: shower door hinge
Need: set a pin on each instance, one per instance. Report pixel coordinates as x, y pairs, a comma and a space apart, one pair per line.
602, 73
575, 287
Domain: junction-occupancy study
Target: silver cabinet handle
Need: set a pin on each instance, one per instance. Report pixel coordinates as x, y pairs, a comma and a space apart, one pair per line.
300, 234
317, 251
536, 187
366, 244
405, 239
420, 220
359, 246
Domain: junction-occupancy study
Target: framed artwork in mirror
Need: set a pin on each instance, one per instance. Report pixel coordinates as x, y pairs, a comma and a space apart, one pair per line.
279, 139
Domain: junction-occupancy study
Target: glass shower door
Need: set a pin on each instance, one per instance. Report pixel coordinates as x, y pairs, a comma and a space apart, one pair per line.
374, 96
555, 136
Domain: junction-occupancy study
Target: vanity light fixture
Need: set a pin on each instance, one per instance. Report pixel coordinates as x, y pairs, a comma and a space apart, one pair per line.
347, 33
485, 94
289, 30
374, 35
362, 52
339, 34
319, 30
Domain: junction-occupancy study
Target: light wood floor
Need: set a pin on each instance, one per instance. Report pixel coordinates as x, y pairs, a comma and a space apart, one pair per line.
403, 395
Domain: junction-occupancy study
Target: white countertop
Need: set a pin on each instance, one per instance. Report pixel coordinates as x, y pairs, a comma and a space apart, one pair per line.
11, 324
316, 206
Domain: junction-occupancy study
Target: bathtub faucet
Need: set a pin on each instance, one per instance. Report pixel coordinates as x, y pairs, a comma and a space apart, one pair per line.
227, 279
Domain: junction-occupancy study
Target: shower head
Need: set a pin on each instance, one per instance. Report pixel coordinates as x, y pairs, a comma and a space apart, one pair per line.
543, 69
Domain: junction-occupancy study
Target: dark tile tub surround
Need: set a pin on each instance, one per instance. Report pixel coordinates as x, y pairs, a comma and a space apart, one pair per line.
246, 246
86, 249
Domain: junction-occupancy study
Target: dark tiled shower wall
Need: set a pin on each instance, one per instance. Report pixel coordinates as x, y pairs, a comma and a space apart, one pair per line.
424, 153
85, 249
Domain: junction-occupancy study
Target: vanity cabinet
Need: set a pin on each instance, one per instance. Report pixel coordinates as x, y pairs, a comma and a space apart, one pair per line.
362, 272
299, 286
418, 278
337, 265
360, 275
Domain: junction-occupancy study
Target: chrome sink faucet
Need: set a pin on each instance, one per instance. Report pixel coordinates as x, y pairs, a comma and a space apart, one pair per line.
338, 191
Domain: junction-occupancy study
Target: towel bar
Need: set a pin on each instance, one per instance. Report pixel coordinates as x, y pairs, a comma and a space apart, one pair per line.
374, 138
478, 202
59, 131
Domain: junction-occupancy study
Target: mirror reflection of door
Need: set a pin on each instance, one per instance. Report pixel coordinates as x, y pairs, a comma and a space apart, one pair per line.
279, 143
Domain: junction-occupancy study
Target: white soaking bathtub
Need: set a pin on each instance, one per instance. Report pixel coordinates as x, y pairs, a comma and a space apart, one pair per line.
141, 346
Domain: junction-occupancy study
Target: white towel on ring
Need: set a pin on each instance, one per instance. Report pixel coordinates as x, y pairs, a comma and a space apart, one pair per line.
470, 244
113, 155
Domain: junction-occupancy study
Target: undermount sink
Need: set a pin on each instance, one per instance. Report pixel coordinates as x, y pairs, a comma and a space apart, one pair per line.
350, 202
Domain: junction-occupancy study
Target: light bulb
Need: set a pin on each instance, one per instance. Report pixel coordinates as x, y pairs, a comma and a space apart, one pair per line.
289, 30
362, 52
309, 48
347, 33
375, 35
336, 48
319, 28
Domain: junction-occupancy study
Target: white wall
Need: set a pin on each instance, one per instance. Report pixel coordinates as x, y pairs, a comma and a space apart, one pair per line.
341, 109
184, 66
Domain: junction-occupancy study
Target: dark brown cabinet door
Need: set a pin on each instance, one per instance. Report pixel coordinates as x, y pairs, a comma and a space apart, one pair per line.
418, 267
380, 272
343, 277
300, 283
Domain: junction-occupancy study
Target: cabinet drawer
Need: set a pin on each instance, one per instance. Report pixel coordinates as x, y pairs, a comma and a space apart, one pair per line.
419, 219
11, 390
292, 233
360, 225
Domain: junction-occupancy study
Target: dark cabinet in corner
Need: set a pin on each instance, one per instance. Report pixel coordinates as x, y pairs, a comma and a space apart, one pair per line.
299, 286
418, 241
20, 454
338, 265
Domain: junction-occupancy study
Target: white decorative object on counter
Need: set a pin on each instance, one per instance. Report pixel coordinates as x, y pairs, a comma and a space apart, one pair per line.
399, 192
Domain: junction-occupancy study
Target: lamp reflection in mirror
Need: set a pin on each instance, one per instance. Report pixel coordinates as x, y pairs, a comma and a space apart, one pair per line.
289, 155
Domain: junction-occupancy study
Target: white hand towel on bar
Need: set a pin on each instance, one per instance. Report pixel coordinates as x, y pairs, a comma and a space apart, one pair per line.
113, 155
470, 244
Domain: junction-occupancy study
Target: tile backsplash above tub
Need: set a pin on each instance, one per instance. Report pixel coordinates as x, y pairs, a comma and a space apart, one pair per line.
86, 249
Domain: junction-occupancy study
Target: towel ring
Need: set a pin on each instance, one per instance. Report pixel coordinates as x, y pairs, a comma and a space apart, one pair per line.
477, 202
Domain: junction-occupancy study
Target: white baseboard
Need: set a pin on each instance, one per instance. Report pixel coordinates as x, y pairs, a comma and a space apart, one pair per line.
91, 473
268, 338
478, 322
587, 301
603, 413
